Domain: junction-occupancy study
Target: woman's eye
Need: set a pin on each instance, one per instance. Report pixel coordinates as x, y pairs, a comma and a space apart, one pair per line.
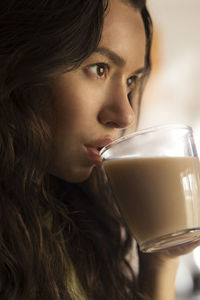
131, 81
98, 69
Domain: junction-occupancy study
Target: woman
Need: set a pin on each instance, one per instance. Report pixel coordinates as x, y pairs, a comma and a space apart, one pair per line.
72, 73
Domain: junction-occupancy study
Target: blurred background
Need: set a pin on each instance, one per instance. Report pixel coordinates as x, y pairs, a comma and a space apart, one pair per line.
173, 95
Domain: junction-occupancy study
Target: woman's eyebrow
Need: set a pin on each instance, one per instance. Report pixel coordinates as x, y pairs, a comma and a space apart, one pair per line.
141, 71
115, 58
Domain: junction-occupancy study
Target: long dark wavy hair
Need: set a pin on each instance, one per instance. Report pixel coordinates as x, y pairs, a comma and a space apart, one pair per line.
58, 241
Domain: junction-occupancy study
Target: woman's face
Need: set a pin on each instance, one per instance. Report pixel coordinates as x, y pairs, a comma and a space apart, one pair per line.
91, 103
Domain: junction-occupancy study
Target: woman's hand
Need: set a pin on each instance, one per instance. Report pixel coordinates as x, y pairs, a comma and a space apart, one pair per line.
157, 271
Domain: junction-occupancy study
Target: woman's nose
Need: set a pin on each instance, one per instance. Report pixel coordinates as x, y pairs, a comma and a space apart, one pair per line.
117, 111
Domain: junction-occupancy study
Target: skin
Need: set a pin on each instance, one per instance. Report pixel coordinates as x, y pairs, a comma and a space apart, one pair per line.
158, 271
91, 102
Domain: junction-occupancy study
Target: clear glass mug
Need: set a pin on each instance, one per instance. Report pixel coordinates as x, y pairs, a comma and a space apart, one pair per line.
155, 177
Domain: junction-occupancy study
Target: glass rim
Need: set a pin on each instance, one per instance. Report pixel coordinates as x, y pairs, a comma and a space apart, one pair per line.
143, 131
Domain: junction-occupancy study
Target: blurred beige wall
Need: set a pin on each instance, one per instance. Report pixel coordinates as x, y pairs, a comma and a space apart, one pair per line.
173, 92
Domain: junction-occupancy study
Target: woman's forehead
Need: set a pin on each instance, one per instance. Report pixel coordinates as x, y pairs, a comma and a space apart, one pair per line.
124, 33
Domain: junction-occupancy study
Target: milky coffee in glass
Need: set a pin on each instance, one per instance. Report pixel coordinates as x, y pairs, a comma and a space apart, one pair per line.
155, 177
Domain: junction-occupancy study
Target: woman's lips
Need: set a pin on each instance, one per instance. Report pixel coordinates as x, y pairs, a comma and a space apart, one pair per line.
93, 149
93, 155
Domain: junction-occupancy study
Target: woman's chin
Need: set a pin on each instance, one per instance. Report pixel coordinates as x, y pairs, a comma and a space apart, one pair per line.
77, 175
